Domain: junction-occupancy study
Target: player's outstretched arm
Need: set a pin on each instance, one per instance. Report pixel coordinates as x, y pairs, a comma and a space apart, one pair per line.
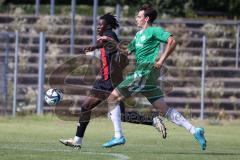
171, 45
92, 48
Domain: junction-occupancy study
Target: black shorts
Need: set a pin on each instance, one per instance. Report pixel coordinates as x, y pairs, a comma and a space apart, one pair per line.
102, 88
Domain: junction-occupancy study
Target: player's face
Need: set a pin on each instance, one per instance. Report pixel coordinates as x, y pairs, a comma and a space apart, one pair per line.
141, 20
101, 27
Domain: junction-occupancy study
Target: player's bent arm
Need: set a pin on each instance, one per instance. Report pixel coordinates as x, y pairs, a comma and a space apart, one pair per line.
92, 48
171, 45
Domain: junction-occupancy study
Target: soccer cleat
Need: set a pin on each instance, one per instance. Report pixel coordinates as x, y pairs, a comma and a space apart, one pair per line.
199, 135
160, 126
114, 142
71, 143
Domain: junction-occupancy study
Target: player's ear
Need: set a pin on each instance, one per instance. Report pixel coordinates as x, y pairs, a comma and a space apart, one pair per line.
146, 19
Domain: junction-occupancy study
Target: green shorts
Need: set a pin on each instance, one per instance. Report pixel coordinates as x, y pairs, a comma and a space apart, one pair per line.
143, 82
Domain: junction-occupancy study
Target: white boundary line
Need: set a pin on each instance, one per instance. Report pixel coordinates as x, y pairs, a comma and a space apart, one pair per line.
118, 156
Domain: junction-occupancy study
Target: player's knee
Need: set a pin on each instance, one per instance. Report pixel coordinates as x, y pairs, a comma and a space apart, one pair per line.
85, 107
113, 99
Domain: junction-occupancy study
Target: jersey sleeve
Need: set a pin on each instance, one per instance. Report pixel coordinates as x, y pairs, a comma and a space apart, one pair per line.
131, 46
111, 35
111, 46
161, 35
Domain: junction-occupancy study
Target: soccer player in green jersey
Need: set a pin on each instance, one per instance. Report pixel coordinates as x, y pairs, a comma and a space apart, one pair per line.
143, 80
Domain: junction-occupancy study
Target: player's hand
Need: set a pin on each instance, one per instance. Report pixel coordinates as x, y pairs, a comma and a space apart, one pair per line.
158, 64
124, 51
123, 48
89, 49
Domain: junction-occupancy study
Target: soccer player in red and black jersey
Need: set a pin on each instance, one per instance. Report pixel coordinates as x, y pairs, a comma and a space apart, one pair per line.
112, 65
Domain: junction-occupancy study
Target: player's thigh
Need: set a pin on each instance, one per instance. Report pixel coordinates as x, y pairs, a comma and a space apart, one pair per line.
129, 86
90, 102
152, 92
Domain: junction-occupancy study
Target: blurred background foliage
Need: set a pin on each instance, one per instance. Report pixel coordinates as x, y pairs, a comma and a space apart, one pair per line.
166, 8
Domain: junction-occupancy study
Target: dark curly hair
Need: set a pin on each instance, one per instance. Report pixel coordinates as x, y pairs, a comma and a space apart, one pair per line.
110, 20
149, 11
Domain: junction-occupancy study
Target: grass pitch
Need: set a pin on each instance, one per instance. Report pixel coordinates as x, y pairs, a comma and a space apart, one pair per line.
36, 138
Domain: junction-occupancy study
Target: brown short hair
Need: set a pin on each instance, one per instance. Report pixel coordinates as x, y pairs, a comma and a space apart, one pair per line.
149, 11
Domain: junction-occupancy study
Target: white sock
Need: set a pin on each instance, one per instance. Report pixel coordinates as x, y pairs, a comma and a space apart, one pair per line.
78, 140
174, 116
115, 115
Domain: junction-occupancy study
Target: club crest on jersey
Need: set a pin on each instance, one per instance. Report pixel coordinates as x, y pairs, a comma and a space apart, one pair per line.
142, 38
138, 44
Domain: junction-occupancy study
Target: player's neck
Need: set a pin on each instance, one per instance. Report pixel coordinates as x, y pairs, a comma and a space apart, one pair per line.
146, 25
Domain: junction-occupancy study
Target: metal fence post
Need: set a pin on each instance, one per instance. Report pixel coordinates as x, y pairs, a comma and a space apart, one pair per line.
203, 76
94, 29
37, 7
73, 25
5, 78
41, 74
95, 7
15, 74
237, 46
118, 14
52, 8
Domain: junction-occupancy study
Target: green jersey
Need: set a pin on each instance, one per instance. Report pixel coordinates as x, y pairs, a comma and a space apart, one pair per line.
146, 44
144, 78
